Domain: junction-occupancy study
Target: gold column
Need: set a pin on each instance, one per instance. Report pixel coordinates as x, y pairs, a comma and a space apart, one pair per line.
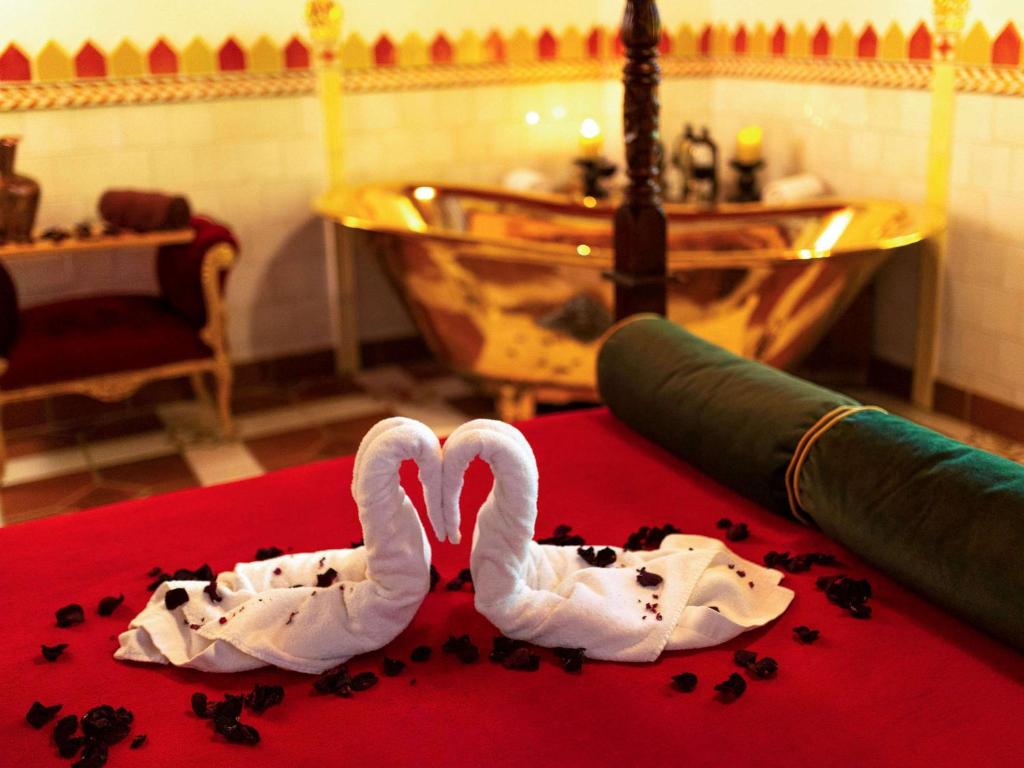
949, 25
324, 19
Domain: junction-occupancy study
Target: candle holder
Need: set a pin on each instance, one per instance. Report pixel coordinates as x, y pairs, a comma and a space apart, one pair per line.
594, 171
747, 188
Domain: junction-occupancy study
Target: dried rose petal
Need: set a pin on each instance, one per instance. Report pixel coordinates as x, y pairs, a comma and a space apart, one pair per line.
109, 604
421, 653
236, 732
138, 741
39, 715
572, 658
268, 553
160, 579
156, 570
94, 755
649, 538
364, 681
522, 660
326, 578
263, 697
725, 522
462, 648
685, 682
70, 615
765, 668
744, 658
647, 579
200, 705
65, 728
805, 634
107, 724
738, 532
175, 598
53, 652
502, 647
393, 667
211, 591
336, 681
732, 688
434, 577
601, 559
563, 538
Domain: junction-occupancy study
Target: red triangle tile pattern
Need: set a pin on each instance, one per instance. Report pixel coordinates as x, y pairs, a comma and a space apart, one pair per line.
296, 54
14, 65
867, 45
89, 62
441, 51
708, 40
1006, 48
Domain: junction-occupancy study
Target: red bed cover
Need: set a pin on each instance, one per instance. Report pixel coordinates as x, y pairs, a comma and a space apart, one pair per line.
911, 686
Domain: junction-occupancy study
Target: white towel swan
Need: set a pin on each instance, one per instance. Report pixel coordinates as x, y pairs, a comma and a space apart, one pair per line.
272, 612
550, 596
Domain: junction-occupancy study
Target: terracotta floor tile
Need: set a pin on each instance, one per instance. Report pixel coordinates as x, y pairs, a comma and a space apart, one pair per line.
474, 406
20, 502
159, 475
327, 387
286, 449
121, 427
103, 495
38, 440
342, 437
28, 414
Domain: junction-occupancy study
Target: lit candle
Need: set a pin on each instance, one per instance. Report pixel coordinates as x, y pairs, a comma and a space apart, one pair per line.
591, 138
748, 145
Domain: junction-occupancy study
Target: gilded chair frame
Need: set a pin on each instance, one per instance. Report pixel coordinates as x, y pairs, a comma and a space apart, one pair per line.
112, 387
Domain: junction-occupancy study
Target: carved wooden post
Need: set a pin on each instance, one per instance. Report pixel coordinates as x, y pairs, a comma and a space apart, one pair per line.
640, 226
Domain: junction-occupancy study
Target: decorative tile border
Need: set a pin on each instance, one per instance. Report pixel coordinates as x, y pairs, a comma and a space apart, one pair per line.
160, 72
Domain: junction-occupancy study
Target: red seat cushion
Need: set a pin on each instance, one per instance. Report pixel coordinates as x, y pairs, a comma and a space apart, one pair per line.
92, 336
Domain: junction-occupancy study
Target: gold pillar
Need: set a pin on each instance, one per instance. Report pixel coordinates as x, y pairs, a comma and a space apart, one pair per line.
324, 19
949, 24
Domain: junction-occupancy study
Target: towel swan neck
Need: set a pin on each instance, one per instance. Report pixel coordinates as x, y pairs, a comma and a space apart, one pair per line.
391, 525
507, 516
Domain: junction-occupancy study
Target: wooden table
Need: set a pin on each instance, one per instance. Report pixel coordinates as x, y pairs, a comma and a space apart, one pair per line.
97, 242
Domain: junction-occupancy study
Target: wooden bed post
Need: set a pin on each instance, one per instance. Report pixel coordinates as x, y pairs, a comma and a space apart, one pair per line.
640, 225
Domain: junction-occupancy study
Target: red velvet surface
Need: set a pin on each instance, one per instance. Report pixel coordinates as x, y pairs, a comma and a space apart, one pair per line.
179, 269
102, 334
910, 687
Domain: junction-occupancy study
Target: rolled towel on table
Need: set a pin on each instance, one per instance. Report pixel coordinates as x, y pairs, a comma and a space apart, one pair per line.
942, 517
310, 612
686, 594
144, 211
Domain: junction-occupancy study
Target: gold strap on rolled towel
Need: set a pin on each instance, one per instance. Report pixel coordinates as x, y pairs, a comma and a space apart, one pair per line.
803, 449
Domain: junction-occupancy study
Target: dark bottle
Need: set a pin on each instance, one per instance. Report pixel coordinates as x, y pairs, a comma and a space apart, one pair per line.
19, 197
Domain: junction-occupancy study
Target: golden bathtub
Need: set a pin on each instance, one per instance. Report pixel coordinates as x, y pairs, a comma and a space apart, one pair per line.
510, 288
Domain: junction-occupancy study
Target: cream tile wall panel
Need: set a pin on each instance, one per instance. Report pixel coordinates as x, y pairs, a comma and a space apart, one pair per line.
1008, 121
974, 117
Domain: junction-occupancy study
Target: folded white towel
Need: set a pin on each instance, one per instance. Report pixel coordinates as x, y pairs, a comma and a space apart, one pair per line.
273, 612
550, 596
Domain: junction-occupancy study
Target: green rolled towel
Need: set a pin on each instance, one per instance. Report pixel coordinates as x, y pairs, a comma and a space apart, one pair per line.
732, 419
942, 517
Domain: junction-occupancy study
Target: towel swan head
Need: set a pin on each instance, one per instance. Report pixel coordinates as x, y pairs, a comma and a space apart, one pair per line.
507, 516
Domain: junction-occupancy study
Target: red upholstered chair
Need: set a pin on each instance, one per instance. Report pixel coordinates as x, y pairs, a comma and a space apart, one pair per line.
109, 346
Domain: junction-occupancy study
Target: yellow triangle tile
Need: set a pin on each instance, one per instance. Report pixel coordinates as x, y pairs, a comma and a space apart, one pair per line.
54, 63
759, 42
685, 42
264, 56
893, 45
572, 45
355, 53
721, 41
843, 44
521, 46
126, 60
198, 58
469, 48
976, 47
412, 51
798, 44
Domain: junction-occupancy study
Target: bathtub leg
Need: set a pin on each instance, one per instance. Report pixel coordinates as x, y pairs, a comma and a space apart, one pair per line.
515, 403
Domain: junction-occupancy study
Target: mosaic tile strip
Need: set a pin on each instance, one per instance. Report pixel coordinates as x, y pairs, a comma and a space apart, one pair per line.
160, 71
